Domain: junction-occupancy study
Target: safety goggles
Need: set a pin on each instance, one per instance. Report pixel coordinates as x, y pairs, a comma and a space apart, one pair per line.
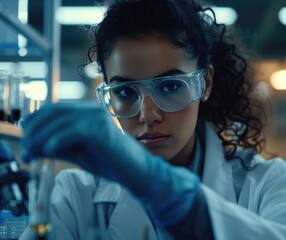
169, 93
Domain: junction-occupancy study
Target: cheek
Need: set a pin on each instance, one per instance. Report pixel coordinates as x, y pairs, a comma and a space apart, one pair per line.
129, 124
188, 116
183, 126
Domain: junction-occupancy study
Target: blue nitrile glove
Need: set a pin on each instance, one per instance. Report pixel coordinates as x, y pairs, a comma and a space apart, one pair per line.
86, 135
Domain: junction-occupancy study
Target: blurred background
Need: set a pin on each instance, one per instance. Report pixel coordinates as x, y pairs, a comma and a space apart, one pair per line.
261, 25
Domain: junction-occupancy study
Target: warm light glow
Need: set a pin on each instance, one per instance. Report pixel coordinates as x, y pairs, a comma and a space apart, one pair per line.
278, 80
80, 15
117, 123
225, 15
36, 90
282, 15
34, 105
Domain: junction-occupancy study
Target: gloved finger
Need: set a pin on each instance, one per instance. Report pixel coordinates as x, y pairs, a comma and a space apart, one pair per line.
82, 145
39, 119
68, 146
46, 114
33, 144
50, 112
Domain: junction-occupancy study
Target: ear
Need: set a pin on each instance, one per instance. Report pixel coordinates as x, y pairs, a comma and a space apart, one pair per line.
209, 83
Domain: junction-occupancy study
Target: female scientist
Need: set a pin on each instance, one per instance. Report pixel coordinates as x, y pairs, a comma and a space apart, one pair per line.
187, 165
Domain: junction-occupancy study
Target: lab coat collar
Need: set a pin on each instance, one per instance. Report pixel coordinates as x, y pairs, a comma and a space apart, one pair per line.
217, 173
128, 218
133, 219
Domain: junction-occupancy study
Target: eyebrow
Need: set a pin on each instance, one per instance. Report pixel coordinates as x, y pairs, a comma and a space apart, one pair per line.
168, 73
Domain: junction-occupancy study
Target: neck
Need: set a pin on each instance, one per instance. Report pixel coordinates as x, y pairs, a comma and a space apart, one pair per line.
185, 157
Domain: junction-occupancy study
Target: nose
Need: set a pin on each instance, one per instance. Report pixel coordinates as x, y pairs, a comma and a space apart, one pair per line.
150, 113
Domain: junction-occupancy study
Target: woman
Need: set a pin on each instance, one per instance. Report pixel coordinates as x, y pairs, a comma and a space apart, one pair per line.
187, 165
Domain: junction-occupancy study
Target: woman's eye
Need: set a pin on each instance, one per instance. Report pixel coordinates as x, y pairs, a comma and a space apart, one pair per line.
169, 87
125, 92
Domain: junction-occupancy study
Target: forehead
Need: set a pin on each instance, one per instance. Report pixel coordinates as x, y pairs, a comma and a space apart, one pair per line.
145, 58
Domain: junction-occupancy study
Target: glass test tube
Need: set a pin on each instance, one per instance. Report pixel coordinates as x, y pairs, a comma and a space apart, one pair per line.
16, 96
4, 91
40, 188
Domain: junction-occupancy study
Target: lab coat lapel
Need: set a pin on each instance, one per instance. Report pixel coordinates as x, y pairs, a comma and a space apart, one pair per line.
217, 173
129, 219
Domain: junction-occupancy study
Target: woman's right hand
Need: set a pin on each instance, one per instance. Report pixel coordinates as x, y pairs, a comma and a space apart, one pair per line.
83, 133
86, 135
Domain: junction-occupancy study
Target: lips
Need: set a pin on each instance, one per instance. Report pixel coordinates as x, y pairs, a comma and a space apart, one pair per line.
153, 139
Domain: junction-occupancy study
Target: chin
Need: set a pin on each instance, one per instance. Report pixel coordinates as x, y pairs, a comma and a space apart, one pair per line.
164, 154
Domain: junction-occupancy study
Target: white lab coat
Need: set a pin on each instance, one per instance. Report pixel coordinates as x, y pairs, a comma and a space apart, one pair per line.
242, 204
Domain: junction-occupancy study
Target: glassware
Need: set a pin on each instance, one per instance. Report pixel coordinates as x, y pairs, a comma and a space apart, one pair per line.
41, 170
40, 188
16, 96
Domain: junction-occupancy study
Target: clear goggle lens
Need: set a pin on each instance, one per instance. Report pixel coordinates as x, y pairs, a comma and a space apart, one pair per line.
170, 94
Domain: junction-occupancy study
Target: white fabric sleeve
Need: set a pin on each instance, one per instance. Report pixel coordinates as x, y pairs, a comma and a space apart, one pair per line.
265, 217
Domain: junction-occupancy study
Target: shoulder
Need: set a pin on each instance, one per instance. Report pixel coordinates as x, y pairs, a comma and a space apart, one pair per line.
274, 168
263, 173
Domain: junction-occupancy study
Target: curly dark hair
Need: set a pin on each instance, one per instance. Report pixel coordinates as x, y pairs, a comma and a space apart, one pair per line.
230, 108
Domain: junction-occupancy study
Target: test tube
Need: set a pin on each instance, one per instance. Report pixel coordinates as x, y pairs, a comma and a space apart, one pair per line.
40, 188
4, 88
16, 96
